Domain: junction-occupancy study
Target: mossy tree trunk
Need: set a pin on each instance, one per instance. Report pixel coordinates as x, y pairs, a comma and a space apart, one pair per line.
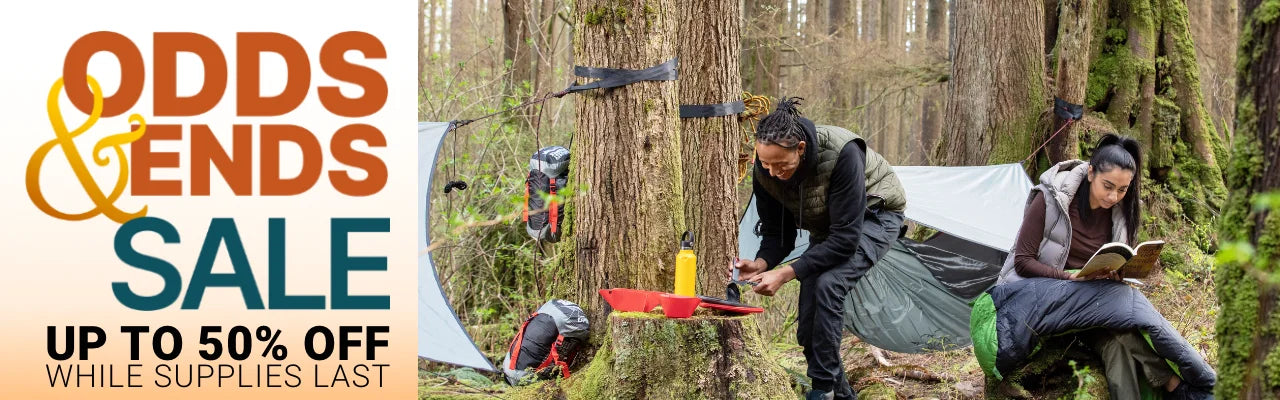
1249, 327
704, 357
626, 155
997, 88
1144, 82
1074, 31
709, 147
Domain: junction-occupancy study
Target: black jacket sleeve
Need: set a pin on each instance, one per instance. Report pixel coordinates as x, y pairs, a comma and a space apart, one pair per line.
777, 228
846, 203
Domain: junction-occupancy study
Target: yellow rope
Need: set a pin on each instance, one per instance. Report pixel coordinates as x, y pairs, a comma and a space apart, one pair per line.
756, 108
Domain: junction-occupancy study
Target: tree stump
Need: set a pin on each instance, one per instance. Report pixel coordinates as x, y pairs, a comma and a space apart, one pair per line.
648, 356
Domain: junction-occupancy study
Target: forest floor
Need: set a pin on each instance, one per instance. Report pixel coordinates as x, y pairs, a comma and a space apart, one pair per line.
1190, 305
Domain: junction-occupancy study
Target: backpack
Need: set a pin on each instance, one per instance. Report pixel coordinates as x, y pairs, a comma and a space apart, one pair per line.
548, 173
546, 342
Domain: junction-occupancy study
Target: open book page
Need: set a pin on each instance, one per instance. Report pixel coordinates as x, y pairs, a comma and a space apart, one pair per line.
1143, 260
1133, 263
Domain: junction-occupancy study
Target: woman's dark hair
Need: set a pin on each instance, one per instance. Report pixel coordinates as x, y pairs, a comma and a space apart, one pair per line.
1115, 151
782, 126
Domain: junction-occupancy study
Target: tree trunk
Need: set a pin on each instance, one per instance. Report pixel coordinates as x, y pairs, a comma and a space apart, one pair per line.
931, 117
1186, 79
839, 19
703, 357
431, 26
515, 32
997, 89
422, 46
709, 147
548, 40
870, 26
1223, 84
816, 18
762, 62
1075, 31
891, 25
627, 222
462, 17
1246, 289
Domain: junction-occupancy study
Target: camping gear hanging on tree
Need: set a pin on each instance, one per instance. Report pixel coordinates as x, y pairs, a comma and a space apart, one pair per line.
548, 174
546, 343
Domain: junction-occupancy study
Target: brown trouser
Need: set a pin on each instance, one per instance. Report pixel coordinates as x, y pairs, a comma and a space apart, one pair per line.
1126, 358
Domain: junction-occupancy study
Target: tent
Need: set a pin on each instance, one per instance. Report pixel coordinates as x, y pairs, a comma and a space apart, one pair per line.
440, 334
916, 298
977, 211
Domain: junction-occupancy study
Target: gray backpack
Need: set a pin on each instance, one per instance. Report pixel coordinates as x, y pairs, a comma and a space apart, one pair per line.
548, 173
546, 343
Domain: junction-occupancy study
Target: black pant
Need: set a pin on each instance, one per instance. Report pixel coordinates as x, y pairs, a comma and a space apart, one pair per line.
821, 315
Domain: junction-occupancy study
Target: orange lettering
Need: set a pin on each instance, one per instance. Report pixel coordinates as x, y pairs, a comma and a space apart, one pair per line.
272, 184
249, 100
76, 65
236, 170
167, 46
342, 151
375, 87
144, 160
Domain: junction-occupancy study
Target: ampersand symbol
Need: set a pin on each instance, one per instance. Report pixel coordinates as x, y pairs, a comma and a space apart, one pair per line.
103, 204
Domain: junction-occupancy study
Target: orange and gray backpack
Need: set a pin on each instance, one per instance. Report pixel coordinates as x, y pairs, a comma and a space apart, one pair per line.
548, 173
546, 343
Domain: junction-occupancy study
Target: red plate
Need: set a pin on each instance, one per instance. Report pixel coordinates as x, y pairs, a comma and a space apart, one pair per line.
736, 309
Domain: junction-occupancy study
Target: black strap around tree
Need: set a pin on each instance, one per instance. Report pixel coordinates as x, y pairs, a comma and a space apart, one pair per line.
615, 77
1066, 110
712, 110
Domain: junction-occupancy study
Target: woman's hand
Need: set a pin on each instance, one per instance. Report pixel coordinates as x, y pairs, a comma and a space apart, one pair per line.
746, 268
770, 281
1075, 276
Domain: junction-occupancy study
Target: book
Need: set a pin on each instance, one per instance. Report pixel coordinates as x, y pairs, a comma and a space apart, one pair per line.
1131, 262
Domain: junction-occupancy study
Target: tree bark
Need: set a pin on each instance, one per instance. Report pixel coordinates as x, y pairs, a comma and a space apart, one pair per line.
1246, 292
870, 26
1186, 80
1075, 31
515, 33
422, 46
931, 116
703, 357
431, 26
548, 40
762, 63
997, 89
462, 17
627, 223
816, 17
709, 147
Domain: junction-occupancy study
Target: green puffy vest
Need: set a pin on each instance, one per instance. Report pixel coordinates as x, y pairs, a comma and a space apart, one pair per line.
883, 188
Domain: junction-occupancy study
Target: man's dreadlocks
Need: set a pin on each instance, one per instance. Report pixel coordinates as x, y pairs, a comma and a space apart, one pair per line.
782, 126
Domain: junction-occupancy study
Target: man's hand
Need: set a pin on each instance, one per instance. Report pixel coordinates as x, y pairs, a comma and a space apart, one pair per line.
771, 281
746, 268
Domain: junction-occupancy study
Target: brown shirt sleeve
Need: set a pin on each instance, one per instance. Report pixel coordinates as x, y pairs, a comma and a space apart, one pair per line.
1026, 255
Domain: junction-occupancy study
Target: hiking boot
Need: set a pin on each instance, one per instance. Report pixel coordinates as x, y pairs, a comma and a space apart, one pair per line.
820, 395
1185, 391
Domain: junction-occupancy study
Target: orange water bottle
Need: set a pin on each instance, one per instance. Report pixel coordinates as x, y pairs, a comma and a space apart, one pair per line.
686, 267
